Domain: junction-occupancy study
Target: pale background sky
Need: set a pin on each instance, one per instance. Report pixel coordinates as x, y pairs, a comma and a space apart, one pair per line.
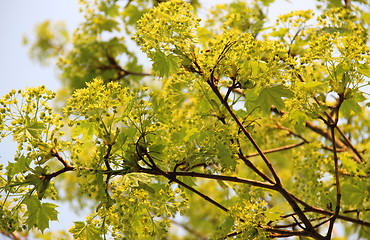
17, 71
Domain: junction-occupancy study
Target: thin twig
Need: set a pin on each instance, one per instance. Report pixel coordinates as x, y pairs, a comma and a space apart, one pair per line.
337, 184
192, 231
278, 149
173, 178
225, 178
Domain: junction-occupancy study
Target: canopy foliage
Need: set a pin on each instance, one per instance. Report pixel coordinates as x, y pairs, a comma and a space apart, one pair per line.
235, 129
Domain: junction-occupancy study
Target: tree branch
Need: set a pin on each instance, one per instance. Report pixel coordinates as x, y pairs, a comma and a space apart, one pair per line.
254, 168
278, 149
309, 208
244, 130
192, 231
157, 171
337, 184
225, 178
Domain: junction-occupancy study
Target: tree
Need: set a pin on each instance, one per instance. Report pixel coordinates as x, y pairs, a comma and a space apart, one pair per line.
240, 131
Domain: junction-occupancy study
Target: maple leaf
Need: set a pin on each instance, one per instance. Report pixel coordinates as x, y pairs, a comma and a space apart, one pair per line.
30, 131
18, 166
272, 95
88, 129
39, 214
85, 231
165, 64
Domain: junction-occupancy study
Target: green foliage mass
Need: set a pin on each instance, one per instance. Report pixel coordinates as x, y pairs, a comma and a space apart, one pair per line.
238, 130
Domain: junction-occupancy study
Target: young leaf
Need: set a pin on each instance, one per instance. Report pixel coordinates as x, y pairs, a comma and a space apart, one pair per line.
40, 182
20, 164
272, 95
348, 106
39, 214
88, 129
165, 65
133, 179
85, 231
30, 131
364, 69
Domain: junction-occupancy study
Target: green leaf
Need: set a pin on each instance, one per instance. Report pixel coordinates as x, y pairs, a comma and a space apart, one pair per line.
225, 156
40, 182
85, 231
348, 106
298, 118
157, 148
120, 141
364, 69
133, 179
110, 25
133, 13
254, 68
191, 133
349, 164
21, 164
309, 85
336, 3
273, 213
280, 33
272, 95
45, 152
39, 214
31, 131
130, 131
87, 128
366, 17
112, 10
354, 193
165, 65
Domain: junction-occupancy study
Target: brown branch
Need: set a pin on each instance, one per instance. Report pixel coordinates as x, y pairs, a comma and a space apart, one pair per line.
55, 153
121, 72
225, 178
12, 235
244, 130
337, 184
278, 149
66, 168
205, 197
157, 171
57, 173
275, 233
285, 233
254, 168
309, 208
280, 188
357, 155
356, 210
279, 126
359, 158
212, 82
192, 231
106, 157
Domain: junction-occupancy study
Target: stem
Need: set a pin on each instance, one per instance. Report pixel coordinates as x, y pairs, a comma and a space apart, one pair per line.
337, 184
157, 171
245, 131
55, 153
225, 178
309, 208
278, 149
192, 231
256, 170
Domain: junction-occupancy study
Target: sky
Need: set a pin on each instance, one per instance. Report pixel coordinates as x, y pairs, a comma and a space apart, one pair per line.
17, 70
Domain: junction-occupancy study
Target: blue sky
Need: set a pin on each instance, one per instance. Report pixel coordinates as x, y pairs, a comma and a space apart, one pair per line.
17, 70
